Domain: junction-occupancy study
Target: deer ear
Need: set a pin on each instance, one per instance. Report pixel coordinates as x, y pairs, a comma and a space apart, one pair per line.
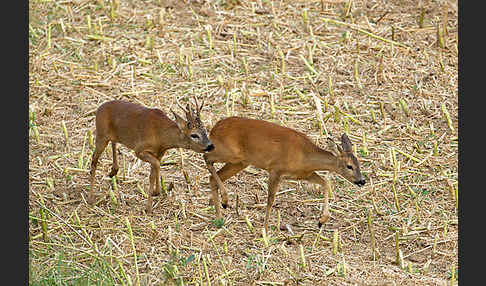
346, 143
334, 148
181, 123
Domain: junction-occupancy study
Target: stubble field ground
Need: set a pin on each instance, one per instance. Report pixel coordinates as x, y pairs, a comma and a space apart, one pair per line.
384, 72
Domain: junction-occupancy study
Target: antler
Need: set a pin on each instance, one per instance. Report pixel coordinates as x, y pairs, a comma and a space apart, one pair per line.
192, 115
180, 106
187, 110
189, 113
200, 108
197, 111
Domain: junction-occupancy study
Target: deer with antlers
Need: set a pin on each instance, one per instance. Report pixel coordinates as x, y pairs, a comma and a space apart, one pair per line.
150, 133
285, 153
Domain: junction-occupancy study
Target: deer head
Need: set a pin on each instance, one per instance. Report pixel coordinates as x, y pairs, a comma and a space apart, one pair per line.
192, 129
347, 163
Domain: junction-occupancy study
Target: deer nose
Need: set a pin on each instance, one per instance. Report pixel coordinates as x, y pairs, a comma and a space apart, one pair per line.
360, 183
209, 148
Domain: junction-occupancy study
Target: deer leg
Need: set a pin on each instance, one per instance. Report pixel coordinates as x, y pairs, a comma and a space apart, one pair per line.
273, 182
114, 167
100, 147
154, 174
214, 191
156, 192
226, 172
152, 181
326, 187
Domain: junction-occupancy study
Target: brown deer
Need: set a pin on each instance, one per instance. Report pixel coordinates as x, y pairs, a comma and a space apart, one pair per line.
149, 132
283, 152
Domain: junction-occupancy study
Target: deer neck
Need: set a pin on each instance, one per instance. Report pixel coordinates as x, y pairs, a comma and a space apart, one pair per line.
321, 159
175, 138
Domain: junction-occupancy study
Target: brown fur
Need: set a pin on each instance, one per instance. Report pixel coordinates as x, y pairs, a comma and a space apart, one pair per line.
283, 152
147, 131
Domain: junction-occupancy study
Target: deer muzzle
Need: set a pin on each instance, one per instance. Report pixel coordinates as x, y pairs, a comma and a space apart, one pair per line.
360, 182
209, 148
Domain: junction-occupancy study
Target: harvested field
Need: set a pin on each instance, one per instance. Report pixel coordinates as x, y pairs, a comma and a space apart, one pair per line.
384, 72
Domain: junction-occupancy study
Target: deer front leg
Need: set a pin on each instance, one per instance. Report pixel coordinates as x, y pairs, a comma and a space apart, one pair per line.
273, 182
114, 167
226, 172
326, 188
214, 189
154, 175
100, 147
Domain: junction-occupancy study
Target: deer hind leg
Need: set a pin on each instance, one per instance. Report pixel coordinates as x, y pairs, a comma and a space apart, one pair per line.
99, 148
114, 167
326, 187
273, 181
152, 181
146, 156
226, 172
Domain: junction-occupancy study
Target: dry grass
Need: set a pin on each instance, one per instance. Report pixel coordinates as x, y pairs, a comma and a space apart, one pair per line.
383, 71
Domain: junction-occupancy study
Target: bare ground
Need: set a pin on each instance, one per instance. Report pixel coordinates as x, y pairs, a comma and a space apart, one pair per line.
385, 72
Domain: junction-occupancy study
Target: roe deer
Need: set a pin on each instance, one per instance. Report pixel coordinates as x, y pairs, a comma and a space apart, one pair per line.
285, 153
149, 132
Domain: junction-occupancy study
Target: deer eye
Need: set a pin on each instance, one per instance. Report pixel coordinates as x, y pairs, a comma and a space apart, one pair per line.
349, 167
194, 136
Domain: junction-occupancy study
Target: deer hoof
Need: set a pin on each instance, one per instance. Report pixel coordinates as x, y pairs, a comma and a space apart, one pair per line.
323, 220
113, 173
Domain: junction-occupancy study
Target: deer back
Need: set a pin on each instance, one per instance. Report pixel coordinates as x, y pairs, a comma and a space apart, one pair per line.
259, 143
